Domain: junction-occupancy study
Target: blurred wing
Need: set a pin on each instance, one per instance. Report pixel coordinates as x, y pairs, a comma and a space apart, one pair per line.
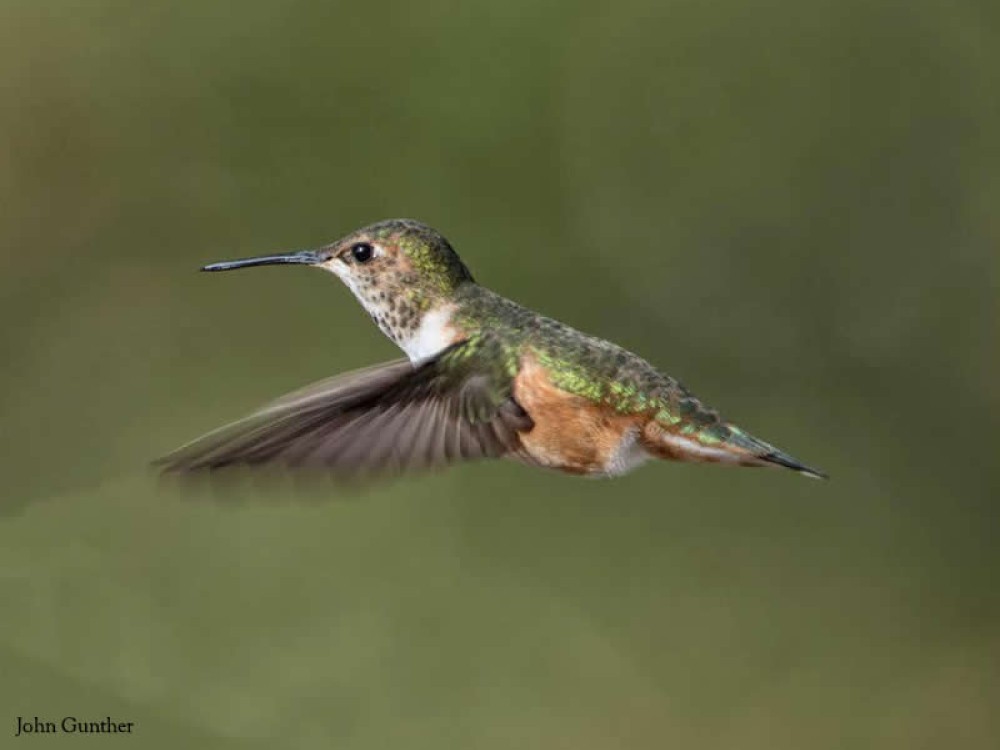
387, 419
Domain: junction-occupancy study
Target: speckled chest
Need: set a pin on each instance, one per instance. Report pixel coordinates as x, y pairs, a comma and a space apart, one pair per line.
390, 301
419, 330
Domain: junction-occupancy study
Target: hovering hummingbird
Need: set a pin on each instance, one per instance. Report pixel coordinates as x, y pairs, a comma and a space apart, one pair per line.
484, 378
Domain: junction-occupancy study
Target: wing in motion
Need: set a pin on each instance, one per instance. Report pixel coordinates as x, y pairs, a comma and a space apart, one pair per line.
387, 419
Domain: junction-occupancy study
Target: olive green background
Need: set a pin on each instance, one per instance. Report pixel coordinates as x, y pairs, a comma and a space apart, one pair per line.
791, 206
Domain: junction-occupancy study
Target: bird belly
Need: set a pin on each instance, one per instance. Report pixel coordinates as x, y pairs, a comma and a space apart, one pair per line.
573, 434
629, 454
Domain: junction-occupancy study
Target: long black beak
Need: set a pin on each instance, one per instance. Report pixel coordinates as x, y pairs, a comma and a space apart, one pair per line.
303, 257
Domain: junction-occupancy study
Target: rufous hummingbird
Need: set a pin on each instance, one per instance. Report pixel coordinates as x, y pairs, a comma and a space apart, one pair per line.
484, 377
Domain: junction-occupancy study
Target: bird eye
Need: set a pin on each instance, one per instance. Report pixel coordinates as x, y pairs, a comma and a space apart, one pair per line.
362, 252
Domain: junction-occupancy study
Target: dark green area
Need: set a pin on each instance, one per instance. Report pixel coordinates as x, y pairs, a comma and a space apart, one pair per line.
790, 206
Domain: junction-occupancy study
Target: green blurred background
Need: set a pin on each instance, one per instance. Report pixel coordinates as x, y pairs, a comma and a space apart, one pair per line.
791, 206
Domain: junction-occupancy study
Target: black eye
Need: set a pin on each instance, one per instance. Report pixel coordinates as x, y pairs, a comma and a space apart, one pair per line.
362, 252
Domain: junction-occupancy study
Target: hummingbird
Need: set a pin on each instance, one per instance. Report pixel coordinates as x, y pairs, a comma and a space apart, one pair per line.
483, 377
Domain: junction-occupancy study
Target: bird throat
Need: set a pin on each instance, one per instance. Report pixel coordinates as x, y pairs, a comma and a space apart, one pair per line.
434, 333
419, 326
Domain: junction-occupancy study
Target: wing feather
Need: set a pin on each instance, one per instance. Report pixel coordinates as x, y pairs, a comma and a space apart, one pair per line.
387, 419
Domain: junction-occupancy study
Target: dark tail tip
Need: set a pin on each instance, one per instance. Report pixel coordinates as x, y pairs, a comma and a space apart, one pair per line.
783, 459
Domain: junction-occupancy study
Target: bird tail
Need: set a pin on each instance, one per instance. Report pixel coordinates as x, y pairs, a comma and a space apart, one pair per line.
719, 443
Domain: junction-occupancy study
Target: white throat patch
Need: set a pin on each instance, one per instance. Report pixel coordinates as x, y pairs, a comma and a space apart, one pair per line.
432, 336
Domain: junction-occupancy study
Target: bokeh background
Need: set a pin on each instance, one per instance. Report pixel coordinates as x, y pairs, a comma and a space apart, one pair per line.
791, 206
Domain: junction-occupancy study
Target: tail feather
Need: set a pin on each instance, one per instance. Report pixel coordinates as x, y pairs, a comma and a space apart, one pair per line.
719, 443
783, 459
768, 454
